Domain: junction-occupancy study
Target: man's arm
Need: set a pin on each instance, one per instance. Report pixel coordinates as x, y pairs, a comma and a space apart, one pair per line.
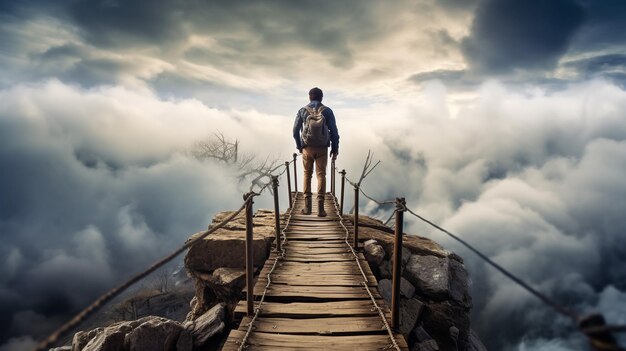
297, 126
334, 134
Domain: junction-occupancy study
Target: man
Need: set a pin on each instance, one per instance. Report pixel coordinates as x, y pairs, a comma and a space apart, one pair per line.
315, 130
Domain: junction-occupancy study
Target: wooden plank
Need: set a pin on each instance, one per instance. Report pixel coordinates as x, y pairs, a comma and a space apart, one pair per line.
354, 308
321, 280
316, 292
317, 300
315, 342
318, 326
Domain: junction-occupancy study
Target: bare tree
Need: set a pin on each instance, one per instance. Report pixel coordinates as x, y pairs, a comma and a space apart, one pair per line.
162, 280
223, 149
367, 166
367, 169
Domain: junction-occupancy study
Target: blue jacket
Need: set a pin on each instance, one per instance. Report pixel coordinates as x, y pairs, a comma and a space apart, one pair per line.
330, 122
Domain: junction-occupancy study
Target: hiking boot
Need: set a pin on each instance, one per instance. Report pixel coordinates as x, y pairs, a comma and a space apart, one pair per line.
307, 205
320, 208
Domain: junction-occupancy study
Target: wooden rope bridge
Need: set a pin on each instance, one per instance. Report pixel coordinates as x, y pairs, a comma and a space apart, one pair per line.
317, 298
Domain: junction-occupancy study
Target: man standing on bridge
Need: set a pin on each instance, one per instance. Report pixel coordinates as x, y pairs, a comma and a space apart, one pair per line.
315, 130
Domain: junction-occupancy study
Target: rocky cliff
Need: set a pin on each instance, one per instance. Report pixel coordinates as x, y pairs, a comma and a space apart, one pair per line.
435, 302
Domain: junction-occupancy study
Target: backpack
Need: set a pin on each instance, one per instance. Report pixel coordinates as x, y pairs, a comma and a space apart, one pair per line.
314, 131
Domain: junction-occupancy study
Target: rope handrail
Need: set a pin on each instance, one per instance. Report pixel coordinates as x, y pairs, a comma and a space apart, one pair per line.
589, 332
279, 257
365, 282
80, 317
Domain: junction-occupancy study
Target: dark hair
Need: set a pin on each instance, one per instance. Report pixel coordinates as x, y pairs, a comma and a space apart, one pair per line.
316, 94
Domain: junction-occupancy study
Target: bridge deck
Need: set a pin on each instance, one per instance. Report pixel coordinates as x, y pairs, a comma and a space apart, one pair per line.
316, 299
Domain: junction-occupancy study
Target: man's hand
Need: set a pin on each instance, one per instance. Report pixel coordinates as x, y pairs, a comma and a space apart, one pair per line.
333, 155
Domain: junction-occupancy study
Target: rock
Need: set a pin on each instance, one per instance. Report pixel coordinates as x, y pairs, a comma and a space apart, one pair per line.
420, 334
386, 270
370, 228
226, 246
384, 288
429, 345
227, 283
374, 253
439, 278
108, 340
439, 317
454, 335
406, 256
410, 311
459, 284
81, 338
406, 288
474, 342
207, 325
429, 274
104, 339
147, 333
185, 341
154, 334
62, 348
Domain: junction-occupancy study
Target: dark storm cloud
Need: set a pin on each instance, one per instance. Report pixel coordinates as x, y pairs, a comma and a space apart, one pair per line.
509, 34
324, 26
604, 26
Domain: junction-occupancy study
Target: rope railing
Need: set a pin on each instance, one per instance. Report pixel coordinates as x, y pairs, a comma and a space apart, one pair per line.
592, 326
280, 255
394, 344
103, 299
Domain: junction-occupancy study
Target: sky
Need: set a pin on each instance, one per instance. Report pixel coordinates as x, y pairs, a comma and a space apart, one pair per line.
502, 120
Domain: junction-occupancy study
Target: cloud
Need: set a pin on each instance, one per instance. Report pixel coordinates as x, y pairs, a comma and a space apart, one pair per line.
531, 35
101, 185
531, 178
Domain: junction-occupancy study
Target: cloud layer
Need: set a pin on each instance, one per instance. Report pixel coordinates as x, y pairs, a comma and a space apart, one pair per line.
505, 118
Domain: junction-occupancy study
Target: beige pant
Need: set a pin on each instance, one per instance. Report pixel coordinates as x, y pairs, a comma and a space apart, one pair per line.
319, 156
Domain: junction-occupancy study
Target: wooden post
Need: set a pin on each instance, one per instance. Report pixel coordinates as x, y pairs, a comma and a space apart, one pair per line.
601, 340
295, 174
356, 218
332, 177
249, 257
289, 185
276, 211
343, 185
397, 264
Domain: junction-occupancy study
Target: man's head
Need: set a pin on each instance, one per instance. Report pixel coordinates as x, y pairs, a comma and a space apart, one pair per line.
316, 94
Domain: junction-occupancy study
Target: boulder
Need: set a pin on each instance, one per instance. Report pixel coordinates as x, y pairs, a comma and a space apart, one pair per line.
385, 269
430, 274
226, 246
155, 333
439, 278
207, 325
384, 288
406, 288
104, 339
227, 283
438, 318
374, 253
410, 311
